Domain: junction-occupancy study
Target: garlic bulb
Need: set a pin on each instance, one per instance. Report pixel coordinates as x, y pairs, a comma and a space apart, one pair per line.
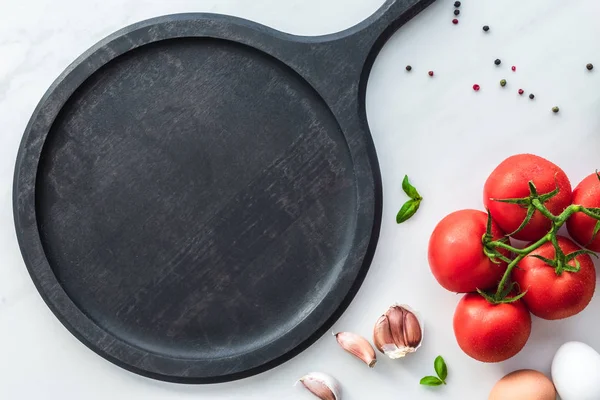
358, 346
398, 332
321, 385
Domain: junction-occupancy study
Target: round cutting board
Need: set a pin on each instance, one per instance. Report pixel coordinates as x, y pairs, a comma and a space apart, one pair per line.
197, 198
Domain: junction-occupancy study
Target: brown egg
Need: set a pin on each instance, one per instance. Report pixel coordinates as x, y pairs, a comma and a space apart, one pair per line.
525, 384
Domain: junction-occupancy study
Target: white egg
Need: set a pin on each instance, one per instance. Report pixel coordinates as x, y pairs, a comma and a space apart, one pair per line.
576, 372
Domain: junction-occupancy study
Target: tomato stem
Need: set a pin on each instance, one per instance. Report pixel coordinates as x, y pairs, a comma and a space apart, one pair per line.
557, 222
544, 211
522, 253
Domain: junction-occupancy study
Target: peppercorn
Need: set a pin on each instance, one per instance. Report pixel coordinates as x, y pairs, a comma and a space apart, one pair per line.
521, 91
476, 87
590, 67
497, 62
456, 12
457, 4
455, 21
430, 73
408, 68
513, 68
486, 28
503, 82
555, 109
531, 96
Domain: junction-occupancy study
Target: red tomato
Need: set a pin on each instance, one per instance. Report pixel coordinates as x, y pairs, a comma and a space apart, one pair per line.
456, 255
551, 296
489, 332
510, 180
580, 226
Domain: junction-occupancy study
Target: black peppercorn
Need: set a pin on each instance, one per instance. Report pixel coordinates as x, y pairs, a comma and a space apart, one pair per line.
486, 28
456, 12
590, 67
555, 110
457, 4
531, 96
408, 68
497, 62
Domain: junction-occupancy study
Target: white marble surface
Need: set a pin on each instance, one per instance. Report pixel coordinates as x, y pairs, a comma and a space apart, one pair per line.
437, 130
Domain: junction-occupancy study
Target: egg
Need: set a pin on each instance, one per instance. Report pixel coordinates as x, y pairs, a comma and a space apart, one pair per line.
576, 372
524, 384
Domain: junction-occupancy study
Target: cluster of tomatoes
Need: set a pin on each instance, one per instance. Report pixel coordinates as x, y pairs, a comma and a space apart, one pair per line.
528, 199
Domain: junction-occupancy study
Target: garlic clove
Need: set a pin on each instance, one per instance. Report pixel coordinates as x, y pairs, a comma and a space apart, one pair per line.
398, 332
358, 346
396, 317
323, 386
413, 334
382, 336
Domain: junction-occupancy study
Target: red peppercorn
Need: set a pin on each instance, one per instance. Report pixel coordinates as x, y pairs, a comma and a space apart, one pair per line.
430, 73
455, 21
476, 87
521, 91
513, 68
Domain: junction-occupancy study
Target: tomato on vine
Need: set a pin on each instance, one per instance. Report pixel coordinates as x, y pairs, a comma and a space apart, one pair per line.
530, 198
584, 228
491, 332
557, 285
510, 181
456, 254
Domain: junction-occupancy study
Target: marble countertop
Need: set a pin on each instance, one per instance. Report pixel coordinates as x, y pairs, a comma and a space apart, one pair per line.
440, 132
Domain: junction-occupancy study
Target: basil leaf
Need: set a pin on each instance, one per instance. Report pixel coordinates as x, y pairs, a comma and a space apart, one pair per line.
408, 210
410, 189
440, 368
431, 381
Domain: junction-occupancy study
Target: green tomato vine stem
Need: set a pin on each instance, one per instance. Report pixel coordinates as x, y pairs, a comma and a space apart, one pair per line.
557, 222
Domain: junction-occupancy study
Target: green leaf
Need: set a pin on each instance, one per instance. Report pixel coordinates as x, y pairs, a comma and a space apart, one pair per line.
488, 228
532, 189
595, 232
530, 211
491, 254
508, 300
431, 381
410, 190
569, 268
490, 298
571, 256
507, 290
408, 210
494, 255
523, 202
440, 368
545, 197
551, 263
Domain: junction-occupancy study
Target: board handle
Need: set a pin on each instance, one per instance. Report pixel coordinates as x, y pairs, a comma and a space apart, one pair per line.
371, 34
341, 62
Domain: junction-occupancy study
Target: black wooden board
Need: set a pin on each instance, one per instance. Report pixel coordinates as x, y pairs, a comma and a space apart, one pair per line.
197, 198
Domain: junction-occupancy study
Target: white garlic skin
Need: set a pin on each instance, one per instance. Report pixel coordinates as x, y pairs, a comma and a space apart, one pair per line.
316, 382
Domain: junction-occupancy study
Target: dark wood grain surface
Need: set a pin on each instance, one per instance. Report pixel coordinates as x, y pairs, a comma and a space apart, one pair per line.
197, 198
